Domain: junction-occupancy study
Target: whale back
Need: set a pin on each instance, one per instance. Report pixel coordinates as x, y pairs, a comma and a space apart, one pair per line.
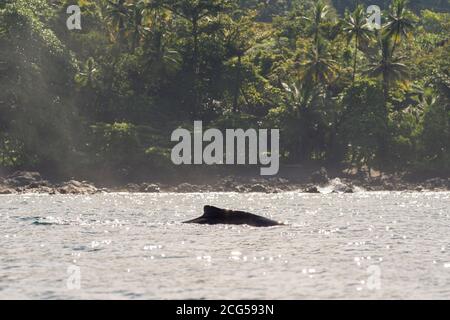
214, 215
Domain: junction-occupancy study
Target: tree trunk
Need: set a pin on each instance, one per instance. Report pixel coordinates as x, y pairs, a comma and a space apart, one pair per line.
384, 141
196, 69
394, 47
135, 41
385, 91
356, 59
237, 85
195, 53
3, 151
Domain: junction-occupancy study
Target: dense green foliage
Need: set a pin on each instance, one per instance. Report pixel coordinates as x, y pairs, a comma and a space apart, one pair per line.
415, 5
106, 98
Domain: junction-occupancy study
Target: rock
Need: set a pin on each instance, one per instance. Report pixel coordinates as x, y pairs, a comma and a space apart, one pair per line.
229, 183
133, 187
311, 189
23, 178
258, 188
150, 188
5, 190
320, 177
45, 189
388, 186
39, 184
436, 183
187, 188
340, 187
241, 189
76, 187
343, 188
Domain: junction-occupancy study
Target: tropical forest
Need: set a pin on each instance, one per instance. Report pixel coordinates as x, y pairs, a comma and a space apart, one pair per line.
104, 98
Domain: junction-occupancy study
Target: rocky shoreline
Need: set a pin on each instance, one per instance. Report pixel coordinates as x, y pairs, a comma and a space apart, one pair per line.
22, 182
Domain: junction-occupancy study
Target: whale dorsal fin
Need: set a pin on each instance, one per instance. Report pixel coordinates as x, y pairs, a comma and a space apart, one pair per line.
211, 211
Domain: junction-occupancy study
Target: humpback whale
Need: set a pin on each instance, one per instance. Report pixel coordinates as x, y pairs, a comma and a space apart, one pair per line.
214, 215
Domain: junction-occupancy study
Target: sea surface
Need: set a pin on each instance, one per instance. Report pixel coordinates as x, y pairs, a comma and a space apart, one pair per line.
378, 245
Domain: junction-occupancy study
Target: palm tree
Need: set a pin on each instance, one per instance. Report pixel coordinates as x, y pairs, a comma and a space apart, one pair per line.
117, 14
239, 37
303, 101
400, 23
319, 67
135, 13
356, 28
423, 99
388, 67
195, 12
320, 13
88, 75
301, 97
162, 58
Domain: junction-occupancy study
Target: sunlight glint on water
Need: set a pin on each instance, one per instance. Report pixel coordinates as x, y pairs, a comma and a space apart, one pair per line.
133, 246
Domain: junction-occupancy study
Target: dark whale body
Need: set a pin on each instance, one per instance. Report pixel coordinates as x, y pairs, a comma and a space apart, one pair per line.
213, 215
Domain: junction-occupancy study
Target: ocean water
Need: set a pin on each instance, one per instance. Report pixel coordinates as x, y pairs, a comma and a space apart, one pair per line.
387, 245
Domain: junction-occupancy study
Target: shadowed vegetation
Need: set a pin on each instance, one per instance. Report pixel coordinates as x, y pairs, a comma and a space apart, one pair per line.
104, 100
